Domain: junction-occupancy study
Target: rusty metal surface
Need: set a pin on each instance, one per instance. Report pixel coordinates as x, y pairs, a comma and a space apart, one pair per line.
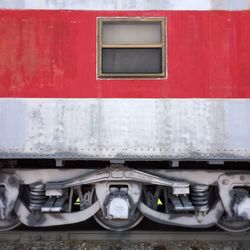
188, 129
50, 56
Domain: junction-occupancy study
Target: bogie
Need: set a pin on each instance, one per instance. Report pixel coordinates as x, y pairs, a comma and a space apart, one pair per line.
119, 197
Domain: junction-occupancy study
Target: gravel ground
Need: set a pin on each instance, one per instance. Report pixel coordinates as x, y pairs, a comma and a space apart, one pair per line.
124, 244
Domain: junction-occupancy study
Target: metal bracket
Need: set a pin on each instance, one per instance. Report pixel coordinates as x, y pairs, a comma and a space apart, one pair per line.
54, 204
121, 173
103, 193
181, 203
226, 184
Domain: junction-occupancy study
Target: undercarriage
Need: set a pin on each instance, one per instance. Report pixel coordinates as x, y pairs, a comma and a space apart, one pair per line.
118, 197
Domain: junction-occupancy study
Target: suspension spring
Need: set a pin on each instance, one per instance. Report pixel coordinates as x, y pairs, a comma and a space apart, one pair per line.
200, 197
37, 196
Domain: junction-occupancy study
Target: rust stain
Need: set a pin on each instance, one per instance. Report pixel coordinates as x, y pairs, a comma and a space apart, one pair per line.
34, 51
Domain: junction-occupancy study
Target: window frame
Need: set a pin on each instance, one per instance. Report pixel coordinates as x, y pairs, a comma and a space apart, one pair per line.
162, 45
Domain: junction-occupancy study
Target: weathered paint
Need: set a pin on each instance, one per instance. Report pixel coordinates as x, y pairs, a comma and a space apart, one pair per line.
201, 129
53, 54
127, 4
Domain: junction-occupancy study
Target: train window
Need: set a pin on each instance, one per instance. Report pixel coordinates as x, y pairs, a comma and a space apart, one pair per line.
131, 48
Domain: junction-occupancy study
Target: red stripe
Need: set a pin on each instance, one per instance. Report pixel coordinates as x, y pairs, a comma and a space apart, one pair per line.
53, 54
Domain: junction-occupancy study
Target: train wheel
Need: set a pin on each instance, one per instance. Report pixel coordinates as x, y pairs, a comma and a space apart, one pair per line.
6, 225
233, 226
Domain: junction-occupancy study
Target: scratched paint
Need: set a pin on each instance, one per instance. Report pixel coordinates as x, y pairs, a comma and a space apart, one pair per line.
125, 128
53, 54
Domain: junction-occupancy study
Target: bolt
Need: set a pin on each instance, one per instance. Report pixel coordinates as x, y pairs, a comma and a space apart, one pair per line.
12, 180
58, 237
38, 237
242, 178
225, 182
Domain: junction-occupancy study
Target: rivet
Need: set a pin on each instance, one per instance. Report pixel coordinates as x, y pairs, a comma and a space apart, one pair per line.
12, 180
242, 178
58, 237
225, 182
38, 237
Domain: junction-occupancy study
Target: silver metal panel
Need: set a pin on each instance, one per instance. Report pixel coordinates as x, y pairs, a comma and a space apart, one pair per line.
125, 128
127, 4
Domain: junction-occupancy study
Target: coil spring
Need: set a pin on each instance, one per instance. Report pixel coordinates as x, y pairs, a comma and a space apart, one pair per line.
200, 197
37, 196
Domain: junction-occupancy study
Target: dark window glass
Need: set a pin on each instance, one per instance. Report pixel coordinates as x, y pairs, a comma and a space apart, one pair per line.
132, 61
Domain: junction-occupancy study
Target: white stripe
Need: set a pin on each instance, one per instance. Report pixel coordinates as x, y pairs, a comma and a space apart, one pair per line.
231, 5
203, 129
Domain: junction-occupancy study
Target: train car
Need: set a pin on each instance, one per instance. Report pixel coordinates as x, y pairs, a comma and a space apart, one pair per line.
124, 109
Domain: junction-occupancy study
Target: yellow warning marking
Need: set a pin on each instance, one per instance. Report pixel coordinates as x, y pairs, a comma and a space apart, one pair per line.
159, 203
77, 202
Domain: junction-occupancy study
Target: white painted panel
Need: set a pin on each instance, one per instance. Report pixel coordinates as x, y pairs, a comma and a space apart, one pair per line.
125, 128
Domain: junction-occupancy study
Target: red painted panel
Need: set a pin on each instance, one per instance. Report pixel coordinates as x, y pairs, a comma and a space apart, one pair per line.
53, 54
